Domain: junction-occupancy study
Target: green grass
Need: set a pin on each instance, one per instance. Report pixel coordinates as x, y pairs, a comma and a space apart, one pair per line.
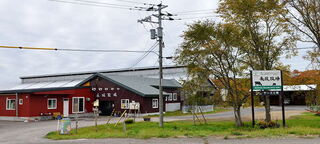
304, 125
179, 113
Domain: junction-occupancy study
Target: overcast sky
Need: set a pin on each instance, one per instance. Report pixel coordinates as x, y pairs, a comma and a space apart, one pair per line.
44, 23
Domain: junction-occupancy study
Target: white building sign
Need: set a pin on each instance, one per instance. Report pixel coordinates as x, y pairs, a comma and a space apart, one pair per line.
134, 106
266, 80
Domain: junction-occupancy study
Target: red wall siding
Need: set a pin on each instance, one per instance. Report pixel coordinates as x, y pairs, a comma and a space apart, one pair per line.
3, 100
40, 100
39, 104
36, 103
148, 105
172, 90
24, 108
121, 93
86, 93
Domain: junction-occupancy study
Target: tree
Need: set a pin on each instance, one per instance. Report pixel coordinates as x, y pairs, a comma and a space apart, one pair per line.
266, 34
197, 91
306, 78
304, 16
214, 50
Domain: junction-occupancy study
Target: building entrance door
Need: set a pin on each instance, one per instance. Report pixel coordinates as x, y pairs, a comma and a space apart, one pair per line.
65, 107
105, 107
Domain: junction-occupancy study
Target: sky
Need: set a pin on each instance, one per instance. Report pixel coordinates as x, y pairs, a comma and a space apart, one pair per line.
45, 23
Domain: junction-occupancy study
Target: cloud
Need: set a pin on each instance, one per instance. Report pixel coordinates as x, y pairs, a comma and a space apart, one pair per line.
43, 23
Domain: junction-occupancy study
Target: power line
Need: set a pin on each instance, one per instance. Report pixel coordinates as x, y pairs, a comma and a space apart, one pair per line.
128, 1
145, 54
101, 50
101, 5
201, 13
185, 18
193, 11
77, 50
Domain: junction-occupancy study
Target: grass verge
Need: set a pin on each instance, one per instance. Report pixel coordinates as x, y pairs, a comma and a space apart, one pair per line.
302, 125
179, 113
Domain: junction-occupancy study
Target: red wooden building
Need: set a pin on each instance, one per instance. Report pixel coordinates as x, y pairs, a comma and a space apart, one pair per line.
34, 99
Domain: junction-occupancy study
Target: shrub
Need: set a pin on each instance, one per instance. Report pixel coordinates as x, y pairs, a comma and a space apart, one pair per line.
129, 121
271, 124
146, 118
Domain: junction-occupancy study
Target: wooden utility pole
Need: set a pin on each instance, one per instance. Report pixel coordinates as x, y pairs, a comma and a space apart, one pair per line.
160, 16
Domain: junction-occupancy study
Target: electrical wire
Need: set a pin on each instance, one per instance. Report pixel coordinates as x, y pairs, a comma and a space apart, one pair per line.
128, 1
186, 18
144, 26
100, 5
107, 51
145, 55
77, 50
195, 11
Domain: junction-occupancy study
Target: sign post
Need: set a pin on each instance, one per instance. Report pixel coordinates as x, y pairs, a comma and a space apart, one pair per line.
282, 105
267, 80
252, 100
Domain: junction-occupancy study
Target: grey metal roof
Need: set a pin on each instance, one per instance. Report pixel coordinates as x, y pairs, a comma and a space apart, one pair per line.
51, 84
141, 85
101, 71
299, 87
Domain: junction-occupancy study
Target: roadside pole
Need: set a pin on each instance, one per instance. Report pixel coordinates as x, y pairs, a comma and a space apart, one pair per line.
154, 35
252, 100
160, 36
282, 103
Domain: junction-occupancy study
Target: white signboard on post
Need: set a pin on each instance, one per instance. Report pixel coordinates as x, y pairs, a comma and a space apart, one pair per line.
134, 106
269, 80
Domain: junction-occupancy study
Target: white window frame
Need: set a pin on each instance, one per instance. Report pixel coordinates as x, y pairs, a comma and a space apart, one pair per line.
174, 96
52, 99
155, 103
73, 110
20, 101
124, 104
7, 104
170, 97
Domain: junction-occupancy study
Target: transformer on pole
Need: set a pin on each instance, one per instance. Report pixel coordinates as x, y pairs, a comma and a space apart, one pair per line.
158, 34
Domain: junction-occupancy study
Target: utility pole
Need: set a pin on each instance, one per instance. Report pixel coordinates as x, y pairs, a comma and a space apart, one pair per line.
158, 34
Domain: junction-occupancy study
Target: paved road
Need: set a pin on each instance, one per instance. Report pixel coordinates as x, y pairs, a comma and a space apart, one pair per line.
244, 112
33, 132
210, 140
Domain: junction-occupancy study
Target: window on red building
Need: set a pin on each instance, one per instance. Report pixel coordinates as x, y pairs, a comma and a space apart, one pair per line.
155, 103
124, 103
11, 104
170, 97
77, 104
175, 96
52, 103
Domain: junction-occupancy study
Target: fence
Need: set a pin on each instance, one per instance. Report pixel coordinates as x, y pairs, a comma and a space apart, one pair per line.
205, 108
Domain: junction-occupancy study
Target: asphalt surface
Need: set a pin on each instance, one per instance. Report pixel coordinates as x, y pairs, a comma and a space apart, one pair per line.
34, 132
